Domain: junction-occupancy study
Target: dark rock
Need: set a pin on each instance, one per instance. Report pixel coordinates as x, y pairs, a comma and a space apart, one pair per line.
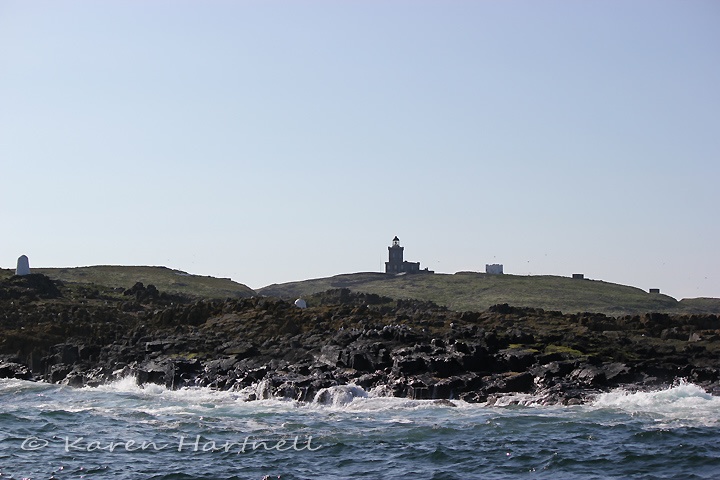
159, 373
444, 365
64, 353
479, 359
516, 335
553, 371
31, 285
59, 372
705, 374
406, 348
331, 355
15, 370
588, 375
369, 380
618, 373
673, 333
359, 361
515, 359
89, 352
240, 350
411, 365
518, 383
453, 387
503, 308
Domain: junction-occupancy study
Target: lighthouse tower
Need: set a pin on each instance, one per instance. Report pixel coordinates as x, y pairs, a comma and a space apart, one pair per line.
395, 260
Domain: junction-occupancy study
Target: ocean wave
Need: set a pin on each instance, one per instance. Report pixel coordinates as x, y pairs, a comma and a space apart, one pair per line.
682, 404
339, 395
14, 385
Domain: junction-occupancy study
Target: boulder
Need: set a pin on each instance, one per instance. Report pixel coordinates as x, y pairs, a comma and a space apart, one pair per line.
15, 370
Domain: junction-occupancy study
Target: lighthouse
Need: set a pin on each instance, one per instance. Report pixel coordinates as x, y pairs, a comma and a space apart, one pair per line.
396, 265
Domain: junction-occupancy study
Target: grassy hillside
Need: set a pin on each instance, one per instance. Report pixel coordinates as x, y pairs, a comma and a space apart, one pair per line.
165, 279
461, 291
700, 305
478, 291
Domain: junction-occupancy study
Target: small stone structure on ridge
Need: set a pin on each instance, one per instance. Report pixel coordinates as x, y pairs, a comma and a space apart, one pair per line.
494, 269
23, 266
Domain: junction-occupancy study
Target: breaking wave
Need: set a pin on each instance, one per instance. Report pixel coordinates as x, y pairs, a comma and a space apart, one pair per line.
683, 404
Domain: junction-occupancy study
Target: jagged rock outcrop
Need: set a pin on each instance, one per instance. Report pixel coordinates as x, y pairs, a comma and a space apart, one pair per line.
65, 334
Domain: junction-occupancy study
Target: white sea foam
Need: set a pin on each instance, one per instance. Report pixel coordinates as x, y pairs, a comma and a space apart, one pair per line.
521, 399
168, 398
14, 385
680, 405
349, 397
339, 395
127, 384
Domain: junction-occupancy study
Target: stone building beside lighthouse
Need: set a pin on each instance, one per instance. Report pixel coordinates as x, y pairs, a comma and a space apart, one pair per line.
397, 265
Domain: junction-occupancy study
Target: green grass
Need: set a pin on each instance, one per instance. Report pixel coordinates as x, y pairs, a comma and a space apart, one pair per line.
165, 279
520, 346
563, 349
700, 305
462, 291
478, 291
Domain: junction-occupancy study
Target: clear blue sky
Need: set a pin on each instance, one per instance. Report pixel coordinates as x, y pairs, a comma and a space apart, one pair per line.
272, 141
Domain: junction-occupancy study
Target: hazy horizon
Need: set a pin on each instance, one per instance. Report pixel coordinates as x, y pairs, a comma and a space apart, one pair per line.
275, 141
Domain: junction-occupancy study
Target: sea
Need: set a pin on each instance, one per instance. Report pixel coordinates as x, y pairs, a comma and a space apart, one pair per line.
125, 431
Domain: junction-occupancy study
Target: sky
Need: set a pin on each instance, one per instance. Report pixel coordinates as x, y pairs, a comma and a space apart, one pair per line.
275, 141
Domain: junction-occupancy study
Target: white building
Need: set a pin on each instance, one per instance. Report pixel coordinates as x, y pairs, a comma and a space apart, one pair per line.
23, 266
494, 269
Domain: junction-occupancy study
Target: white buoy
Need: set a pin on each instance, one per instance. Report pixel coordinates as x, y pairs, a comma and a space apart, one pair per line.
23, 266
300, 303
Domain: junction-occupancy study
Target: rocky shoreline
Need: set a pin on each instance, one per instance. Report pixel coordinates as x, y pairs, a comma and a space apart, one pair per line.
82, 335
